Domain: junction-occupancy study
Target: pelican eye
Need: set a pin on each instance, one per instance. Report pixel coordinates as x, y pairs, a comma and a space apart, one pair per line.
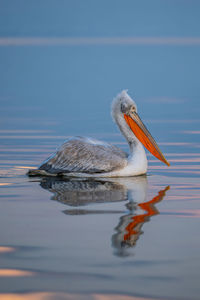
133, 109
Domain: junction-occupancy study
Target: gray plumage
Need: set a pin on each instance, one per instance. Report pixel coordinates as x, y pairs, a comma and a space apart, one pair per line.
76, 193
85, 155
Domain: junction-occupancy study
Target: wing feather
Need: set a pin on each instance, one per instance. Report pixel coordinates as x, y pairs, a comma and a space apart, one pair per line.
85, 155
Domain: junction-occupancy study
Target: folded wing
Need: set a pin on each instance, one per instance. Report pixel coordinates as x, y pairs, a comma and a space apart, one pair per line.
85, 155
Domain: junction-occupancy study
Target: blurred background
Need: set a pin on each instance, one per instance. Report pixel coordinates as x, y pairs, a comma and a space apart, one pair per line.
63, 61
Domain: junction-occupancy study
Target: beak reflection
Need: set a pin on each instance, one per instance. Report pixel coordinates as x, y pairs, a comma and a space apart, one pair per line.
129, 228
79, 194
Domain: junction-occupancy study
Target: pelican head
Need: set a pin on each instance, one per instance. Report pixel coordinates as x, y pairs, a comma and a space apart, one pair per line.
125, 114
122, 104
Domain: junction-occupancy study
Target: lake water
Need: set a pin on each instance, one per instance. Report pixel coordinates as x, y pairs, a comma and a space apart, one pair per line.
125, 238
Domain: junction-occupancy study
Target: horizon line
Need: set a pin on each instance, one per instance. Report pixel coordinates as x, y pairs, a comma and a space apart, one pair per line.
104, 41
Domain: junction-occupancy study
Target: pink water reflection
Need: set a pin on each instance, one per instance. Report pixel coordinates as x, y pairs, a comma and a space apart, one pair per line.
178, 167
187, 213
68, 296
78, 41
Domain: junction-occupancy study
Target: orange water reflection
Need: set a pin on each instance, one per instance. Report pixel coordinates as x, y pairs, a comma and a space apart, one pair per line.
134, 227
130, 225
68, 296
15, 273
6, 249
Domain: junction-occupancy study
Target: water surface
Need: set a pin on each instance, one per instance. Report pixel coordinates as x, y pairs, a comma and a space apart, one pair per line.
128, 238
132, 236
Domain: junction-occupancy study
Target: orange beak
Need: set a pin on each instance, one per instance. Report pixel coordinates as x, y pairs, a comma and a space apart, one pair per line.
143, 135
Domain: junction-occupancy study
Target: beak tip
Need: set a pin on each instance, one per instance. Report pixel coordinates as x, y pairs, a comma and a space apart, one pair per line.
167, 163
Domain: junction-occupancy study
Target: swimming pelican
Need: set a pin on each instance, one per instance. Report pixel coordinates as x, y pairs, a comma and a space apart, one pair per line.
87, 157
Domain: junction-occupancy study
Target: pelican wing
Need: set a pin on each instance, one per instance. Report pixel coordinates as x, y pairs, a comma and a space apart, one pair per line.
85, 155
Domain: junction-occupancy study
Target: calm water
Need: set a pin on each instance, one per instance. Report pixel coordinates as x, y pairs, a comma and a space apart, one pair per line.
128, 238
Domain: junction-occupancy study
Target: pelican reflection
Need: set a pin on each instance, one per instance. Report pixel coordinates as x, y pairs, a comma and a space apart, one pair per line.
137, 210
130, 225
74, 192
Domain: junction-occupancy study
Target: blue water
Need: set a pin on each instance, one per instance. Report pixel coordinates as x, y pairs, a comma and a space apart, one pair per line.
134, 238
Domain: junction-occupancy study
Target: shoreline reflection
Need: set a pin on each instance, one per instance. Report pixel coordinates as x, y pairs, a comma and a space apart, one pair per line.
137, 211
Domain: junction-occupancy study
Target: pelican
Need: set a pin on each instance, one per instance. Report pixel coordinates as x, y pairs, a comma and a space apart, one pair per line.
87, 157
